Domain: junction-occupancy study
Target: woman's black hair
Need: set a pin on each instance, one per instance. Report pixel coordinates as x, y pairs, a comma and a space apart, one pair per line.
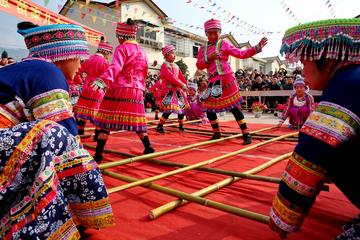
102, 39
129, 21
26, 25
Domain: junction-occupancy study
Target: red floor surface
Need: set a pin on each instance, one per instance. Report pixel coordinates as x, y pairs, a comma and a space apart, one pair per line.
193, 221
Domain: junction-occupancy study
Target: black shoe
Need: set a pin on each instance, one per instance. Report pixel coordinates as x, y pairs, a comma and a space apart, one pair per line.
98, 158
149, 149
247, 139
160, 129
216, 135
181, 128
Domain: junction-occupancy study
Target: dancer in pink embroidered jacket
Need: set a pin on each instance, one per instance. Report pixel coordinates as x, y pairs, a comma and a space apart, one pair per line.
175, 100
222, 93
89, 101
123, 105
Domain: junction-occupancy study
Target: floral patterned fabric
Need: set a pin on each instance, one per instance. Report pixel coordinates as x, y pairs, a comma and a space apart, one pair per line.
49, 184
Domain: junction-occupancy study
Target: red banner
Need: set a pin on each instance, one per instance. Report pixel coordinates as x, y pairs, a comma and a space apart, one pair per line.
29, 11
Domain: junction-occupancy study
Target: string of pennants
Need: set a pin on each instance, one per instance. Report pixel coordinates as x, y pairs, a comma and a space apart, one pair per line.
289, 12
330, 7
95, 14
229, 18
108, 15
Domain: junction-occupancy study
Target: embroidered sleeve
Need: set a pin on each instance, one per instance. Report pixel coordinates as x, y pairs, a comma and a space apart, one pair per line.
167, 75
182, 78
53, 105
229, 49
326, 129
116, 66
201, 61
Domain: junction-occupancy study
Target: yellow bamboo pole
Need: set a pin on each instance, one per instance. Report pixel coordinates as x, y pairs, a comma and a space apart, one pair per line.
157, 212
148, 122
202, 201
200, 164
170, 151
176, 124
204, 169
152, 127
210, 131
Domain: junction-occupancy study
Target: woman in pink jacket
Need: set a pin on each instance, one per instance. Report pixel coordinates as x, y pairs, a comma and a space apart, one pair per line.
175, 100
89, 101
222, 93
124, 83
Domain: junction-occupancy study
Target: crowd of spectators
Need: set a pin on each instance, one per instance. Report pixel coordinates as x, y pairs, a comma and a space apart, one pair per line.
247, 81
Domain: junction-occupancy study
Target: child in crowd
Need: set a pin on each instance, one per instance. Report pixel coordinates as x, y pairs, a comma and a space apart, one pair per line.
299, 105
195, 112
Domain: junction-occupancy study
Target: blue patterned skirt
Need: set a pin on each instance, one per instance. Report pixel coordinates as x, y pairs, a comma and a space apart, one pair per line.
49, 184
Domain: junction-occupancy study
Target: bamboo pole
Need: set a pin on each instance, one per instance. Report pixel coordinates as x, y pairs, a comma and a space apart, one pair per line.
152, 127
176, 124
170, 151
157, 212
202, 201
204, 169
254, 136
148, 122
200, 164
210, 131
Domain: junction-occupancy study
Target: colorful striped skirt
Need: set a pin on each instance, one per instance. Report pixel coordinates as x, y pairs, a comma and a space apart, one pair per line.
49, 184
122, 109
229, 99
88, 104
175, 101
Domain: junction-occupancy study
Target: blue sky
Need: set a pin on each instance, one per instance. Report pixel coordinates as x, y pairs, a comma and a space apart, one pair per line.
269, 15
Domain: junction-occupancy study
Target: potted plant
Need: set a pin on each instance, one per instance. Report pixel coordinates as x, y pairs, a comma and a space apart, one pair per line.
258, 108
148, 107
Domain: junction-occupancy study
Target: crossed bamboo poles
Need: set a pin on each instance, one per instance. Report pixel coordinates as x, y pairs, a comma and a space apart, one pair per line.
196, 197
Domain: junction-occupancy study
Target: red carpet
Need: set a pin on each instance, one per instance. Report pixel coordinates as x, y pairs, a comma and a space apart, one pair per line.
194, 221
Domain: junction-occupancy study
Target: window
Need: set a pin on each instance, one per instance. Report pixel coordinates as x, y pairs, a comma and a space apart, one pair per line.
182, 44
195, 51
148, 36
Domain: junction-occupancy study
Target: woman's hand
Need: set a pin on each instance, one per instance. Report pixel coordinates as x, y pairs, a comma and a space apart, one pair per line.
279, 124
213, 56
261, 44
